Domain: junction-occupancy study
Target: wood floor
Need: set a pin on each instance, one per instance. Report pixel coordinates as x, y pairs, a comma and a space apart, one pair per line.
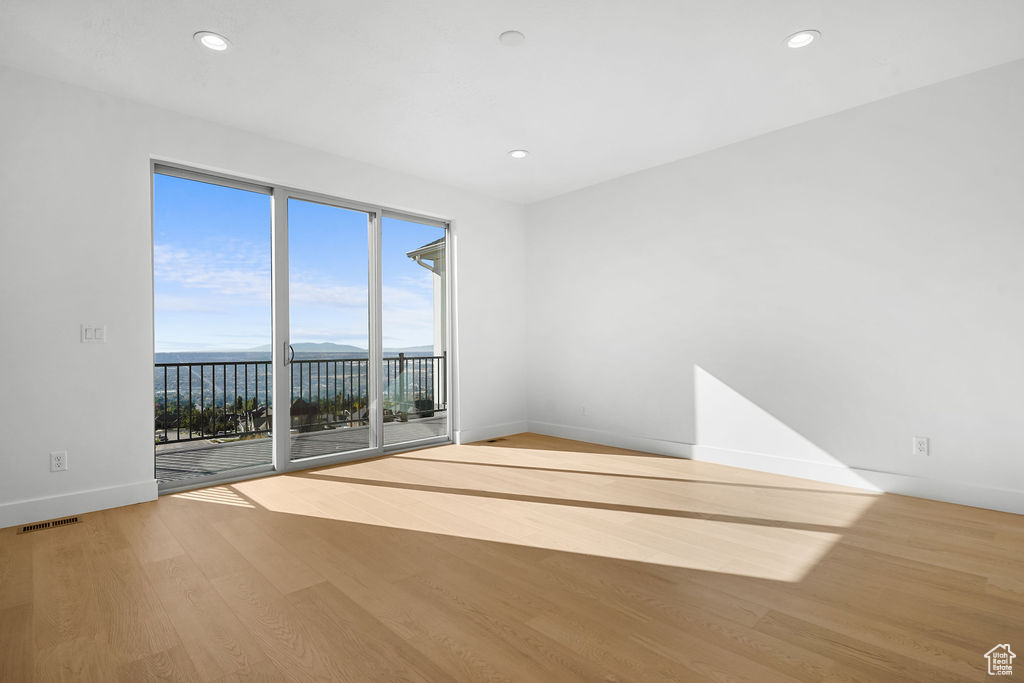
529, 559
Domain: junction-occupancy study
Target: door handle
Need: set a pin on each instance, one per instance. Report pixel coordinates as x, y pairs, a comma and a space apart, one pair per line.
289, 354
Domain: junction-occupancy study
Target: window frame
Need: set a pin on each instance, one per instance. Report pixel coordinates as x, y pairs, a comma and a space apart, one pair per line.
280, 194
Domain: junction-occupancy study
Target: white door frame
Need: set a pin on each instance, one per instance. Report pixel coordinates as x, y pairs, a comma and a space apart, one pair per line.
281, 393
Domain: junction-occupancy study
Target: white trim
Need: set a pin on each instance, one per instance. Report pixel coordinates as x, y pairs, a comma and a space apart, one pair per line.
961, 493
404, 446
39, 509
413, 217
328, 459
280, 333
633, 442
217, 176
451, 393
209, 178
375, 331
790, 467
302, 465
280, 318
463, 436
217, 479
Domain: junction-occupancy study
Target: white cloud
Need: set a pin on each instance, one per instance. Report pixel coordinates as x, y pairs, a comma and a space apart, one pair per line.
336, 296
404, 298
424, 281
237, 271
176, 303
236, 275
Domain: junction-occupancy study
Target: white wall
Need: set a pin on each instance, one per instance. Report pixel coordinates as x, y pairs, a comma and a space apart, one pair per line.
851, 282
75, 246
837, 287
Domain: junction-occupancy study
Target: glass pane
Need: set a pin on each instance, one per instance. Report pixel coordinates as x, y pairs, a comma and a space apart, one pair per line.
328, 276
212, 296
415, 401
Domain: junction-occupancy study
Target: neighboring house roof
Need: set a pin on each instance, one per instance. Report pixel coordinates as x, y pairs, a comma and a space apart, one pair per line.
435, 248
428, 252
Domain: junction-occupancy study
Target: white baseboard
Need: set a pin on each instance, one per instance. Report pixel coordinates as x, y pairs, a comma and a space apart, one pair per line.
490, 431
632, 442
774, 464
39, 509
962, 493
1006, 500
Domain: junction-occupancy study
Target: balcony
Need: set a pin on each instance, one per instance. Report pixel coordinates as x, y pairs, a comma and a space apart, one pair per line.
215, 417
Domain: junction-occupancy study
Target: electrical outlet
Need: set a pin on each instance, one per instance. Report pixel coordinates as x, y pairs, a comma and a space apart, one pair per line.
921, 445
59, 461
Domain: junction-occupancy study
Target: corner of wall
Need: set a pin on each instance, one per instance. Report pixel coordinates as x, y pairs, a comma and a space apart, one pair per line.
632, 442
464, 436
80, 502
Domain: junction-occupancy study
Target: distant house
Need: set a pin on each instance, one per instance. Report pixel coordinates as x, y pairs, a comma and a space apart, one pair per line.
431, 257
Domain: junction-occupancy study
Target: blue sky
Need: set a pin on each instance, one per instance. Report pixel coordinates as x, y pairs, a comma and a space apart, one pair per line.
212, 272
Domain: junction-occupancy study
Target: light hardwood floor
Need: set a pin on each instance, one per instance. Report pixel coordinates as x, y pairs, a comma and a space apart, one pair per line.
528, 559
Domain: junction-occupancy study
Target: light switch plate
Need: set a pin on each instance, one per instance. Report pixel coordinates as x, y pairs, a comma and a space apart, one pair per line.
93, 334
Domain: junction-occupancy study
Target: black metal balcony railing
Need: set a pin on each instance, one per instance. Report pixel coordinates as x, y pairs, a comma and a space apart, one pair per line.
233, 399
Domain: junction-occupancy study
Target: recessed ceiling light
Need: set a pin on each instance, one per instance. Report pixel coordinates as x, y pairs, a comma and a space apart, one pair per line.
511, 38
519, 154
802, 38
213, 41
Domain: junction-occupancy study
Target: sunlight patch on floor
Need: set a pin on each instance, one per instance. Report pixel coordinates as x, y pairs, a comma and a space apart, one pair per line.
782, 553
222, 495
608, 464
730, 494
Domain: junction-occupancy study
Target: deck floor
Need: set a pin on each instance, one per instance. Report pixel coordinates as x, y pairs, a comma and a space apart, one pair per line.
182, 461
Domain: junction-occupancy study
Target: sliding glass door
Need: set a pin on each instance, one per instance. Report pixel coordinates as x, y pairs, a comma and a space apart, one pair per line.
329, 328
415, 339
212, 327
291, 329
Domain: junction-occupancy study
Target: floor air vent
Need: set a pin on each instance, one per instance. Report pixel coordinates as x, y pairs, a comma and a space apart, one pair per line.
39, 526
495, 440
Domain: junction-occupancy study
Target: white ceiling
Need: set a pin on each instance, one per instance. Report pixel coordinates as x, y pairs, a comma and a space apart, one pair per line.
600, 88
